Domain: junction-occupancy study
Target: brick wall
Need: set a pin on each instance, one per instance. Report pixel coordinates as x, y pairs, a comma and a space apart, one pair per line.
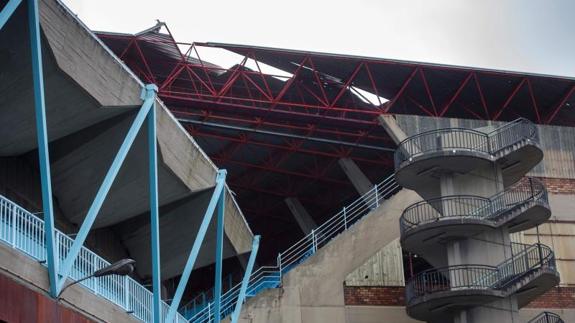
374, 295
559, 185
558, 297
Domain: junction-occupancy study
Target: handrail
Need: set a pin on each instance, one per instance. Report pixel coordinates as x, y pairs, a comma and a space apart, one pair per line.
480, 277
468, 206
270, 276
546, 317
24, 231
466, 139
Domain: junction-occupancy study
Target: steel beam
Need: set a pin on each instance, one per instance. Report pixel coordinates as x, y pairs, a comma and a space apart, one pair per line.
149, 97
42, 137
283, 134
154, 211
218, 190
246, 279
8, 10
219, 255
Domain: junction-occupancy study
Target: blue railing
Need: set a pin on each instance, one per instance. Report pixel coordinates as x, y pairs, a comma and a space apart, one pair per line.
270, 276
24, 231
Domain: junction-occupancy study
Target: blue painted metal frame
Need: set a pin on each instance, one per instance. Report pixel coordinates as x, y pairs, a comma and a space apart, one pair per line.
42, 137
246, 279
150, 94
8, 10
219, 255
214, 201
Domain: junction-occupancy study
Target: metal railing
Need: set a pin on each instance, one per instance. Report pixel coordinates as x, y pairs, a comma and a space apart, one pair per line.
546, 317
481, 277
527, 190
461, 139
24, 231
270, 276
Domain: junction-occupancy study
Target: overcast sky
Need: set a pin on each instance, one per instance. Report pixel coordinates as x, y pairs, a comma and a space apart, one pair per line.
524, 35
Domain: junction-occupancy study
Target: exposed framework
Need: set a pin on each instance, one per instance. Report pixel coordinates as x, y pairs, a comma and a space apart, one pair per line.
280, 130
59, 273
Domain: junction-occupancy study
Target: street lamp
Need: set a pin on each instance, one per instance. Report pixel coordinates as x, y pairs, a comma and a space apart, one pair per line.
121, 267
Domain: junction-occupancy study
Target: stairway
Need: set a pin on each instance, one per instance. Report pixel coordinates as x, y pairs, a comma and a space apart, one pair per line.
312, 270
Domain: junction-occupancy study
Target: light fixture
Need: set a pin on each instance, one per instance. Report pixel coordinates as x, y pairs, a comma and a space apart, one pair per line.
121, 267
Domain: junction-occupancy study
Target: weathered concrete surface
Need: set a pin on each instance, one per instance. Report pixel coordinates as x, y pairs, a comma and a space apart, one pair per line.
389, 123
32, 274
91, 100
313, 291
396, 314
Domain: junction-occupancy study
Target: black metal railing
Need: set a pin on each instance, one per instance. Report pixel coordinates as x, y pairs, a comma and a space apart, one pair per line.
481, 277
546, 317
526, 190
458, 139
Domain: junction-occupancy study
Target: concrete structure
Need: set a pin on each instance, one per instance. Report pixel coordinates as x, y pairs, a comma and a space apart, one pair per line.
91, 100
319, 137
312, 292
450, 230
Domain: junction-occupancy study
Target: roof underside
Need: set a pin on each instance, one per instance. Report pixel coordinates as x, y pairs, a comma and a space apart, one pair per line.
280, 135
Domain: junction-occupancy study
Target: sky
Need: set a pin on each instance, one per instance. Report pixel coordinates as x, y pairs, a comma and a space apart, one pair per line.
536, 36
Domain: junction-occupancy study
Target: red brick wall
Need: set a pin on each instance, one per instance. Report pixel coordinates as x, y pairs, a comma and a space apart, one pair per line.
374, 295
21, 304
559, 185
558, 297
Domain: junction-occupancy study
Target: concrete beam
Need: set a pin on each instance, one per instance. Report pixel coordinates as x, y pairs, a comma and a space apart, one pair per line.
393, 129
361, 183
303, 218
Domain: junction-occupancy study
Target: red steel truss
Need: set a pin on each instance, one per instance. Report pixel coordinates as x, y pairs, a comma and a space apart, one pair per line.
281, 134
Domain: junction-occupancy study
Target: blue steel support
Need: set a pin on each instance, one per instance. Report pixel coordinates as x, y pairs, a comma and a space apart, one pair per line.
219, 252
8, 10
246, 279
218, 190
42, 136
149, 95
154, 212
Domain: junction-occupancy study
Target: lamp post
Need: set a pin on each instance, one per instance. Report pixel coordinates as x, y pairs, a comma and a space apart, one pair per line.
121, 267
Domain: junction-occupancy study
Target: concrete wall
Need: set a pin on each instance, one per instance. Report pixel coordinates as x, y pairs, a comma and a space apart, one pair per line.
385, 268
558, 143
313, 291
28, 272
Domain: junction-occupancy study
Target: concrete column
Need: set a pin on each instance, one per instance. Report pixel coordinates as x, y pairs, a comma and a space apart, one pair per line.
304, 220
361, 183
389, 123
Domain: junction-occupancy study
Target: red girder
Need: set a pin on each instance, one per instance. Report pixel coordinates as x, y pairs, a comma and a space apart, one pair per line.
280, 171
266, 100
386, 162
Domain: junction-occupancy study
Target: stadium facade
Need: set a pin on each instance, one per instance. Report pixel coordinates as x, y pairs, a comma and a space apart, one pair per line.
383, 190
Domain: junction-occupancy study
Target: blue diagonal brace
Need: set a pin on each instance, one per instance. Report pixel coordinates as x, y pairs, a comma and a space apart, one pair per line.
219, 190
148, 95
8, 10
42, 137
246, 279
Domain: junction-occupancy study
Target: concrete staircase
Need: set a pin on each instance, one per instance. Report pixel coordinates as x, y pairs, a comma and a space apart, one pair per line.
312, 291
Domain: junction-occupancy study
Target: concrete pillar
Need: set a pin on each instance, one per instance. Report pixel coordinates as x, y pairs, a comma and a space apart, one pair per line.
389, 123
361, 183
304, 220
490, 247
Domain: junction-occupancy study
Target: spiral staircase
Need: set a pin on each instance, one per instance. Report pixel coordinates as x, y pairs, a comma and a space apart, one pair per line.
476, 194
